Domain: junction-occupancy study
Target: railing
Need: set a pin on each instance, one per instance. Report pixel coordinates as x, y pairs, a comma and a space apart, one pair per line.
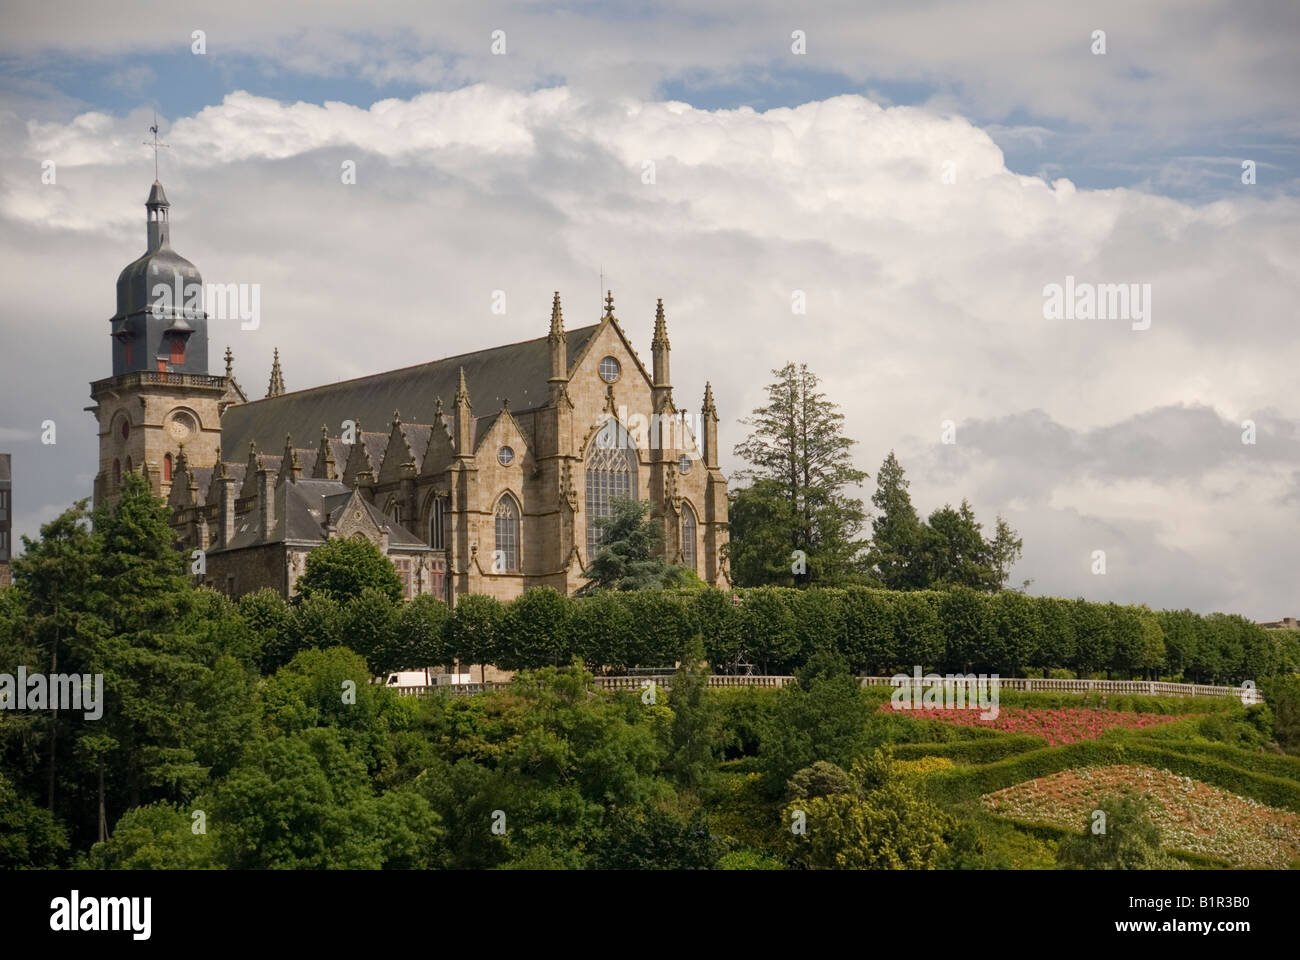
1154, 688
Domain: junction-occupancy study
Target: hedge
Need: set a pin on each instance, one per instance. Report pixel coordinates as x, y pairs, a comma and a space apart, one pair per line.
776, 629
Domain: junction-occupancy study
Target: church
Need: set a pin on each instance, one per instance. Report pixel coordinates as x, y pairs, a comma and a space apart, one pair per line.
464, 493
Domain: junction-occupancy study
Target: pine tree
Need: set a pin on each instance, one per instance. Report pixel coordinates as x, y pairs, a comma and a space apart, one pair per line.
895, 552
800, 464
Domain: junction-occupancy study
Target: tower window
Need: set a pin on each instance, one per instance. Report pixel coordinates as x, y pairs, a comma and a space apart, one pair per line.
507, 535
117, 472
688, 537
178, 351
437, 534
126, 429
129, 349
167, 467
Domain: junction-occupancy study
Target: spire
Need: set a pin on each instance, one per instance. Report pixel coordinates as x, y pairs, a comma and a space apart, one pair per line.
230, 363
462, 390
659, 358
291, 463
709, 414
397, 419
159, 231
661, 326
559, 351
276, 387
709, 409
323, 468
557, 319
437, 410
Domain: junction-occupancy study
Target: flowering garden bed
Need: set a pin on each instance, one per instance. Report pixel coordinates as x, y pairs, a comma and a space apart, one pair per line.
1055, 726
1192, 815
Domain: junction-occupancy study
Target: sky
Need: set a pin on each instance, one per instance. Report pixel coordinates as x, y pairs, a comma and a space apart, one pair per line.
914, 174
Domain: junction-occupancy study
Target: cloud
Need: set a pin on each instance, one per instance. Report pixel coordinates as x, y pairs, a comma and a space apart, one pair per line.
924, 297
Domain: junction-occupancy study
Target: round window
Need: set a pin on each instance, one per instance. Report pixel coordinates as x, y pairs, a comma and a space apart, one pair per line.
684, 464
609, 369
505, 456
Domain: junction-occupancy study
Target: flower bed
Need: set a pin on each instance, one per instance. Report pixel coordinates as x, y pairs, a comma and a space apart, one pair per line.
1192, 815
1055, 726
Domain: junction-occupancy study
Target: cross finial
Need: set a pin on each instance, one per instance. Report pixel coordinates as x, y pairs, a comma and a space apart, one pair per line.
609, 303
155, 143
230, 360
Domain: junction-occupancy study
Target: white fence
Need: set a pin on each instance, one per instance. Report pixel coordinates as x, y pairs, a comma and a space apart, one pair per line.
1154, 688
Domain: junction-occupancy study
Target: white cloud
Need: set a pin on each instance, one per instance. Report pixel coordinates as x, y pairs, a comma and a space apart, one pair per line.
924, 298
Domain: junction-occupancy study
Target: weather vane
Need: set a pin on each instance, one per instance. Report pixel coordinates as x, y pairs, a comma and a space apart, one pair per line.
155, 143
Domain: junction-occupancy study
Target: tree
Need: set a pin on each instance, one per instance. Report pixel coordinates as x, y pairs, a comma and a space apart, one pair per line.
472, 630
345, 566
800, 464
823, 716
54, 576
895, 531
697, 721
631, 552
880, 823
954, 551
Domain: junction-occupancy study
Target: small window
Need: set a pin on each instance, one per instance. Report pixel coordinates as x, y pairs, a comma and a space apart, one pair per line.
4, 499
178, 351
129, 358
403, 565
505, 456
126, 429
117, 472
167, 467
684, 464
437, 530
609, 370
4, 543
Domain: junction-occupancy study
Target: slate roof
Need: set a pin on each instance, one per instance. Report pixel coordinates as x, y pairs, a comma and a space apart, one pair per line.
301, 512
518, 371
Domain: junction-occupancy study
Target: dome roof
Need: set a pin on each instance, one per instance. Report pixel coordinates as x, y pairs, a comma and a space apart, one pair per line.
137, 280
160, 264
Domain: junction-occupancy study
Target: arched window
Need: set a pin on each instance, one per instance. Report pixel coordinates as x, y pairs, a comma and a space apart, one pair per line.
117, 472
506, 555
611, 473
437, 524
128, 464
688, 537
167, 467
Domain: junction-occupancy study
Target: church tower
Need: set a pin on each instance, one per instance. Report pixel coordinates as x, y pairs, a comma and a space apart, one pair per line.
160, 397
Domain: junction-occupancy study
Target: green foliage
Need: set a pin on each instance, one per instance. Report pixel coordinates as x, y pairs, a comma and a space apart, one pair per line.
1130, 841
533, 631
884, 824
159, 836
823, 716
344, 567
822, 779
650, 839
473, 628
697, 721
800, 464
631, 552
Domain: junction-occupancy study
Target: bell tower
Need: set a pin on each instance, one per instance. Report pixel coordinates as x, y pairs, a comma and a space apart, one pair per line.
160, 396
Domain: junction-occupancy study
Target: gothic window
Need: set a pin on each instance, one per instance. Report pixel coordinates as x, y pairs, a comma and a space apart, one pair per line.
688, 537
126, 429
437, 524
506, 555
611, 473
167, 467
117, 472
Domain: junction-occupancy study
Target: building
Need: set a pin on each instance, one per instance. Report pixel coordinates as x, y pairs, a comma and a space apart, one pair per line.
464, 492
6, 519
1286, 623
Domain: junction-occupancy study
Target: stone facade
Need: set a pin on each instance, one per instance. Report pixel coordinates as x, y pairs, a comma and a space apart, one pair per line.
487, 478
